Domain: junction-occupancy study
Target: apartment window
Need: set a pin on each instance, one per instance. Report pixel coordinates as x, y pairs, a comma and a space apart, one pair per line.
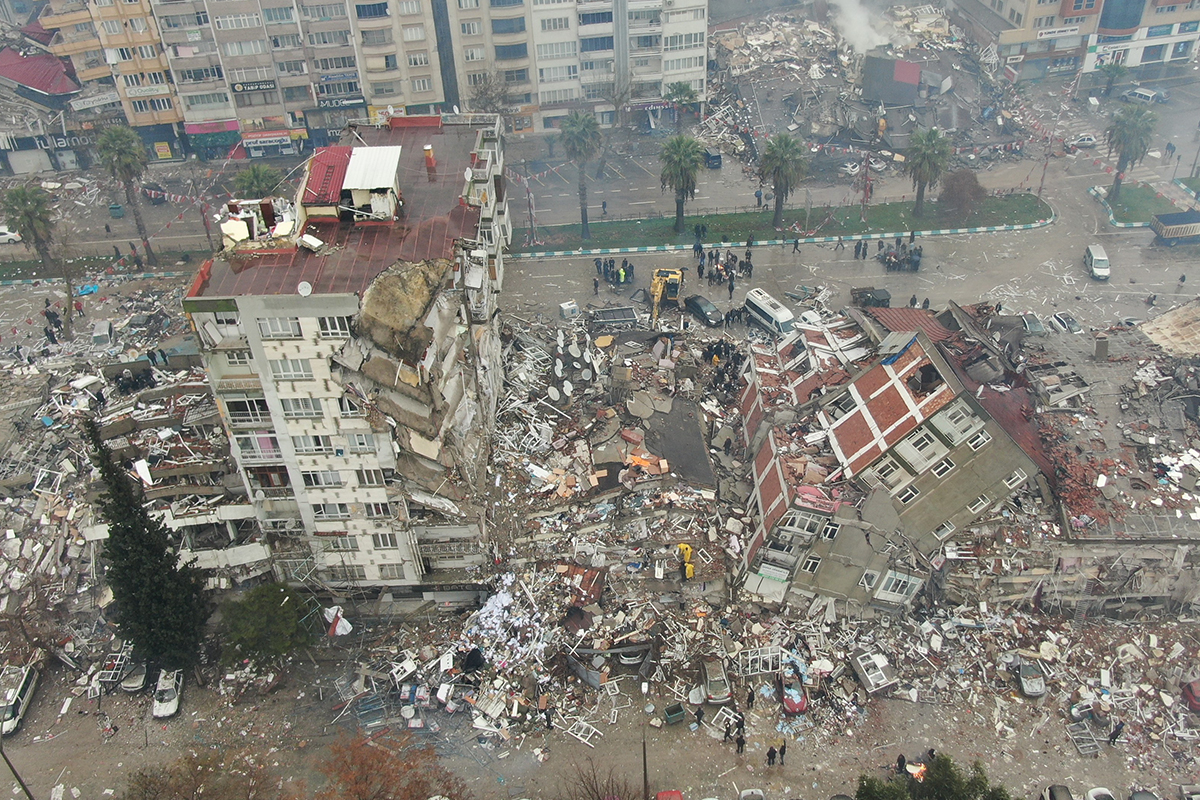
1017, 478
473, 54
279, 327
156, 104
380, 511
944, 530
557, 96
598, 91
811, 564
286, 41
886, 471
420, 59
566, 72
331, 510
413, 33
476, 78
1073, 20
199, 75
869, 578
508, 52
361, 443
1043, 22
466, 4
390, 62
237, 358
349, 408
595, 44
296, 67
183, 20
337, 62
979, 440
347, 572
290, 369
103, 2
257, 446
369, 477
505, 3
111, 26
312, 444
329, 37
343, 544
675, 64
301, 407
1080, 5
422, 85
251, 73
516, 75
595, 18
295, 94
119, 54
251, 99
338, 88
942, 467
1166, 9
371, 10
391, 572
233, 22
334, 327
683, 41
908, 494
156, 78
408, 7
324, 11
243, 411
556, 50
251, 47
316, 480
147, 51
377, 37
556, 24
687, 14
274, 16
503, 26
898, 587
979, 504
132, 80
211, 99
472, 28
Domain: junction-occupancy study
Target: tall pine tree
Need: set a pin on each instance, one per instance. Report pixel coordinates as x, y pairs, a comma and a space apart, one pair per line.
161, 606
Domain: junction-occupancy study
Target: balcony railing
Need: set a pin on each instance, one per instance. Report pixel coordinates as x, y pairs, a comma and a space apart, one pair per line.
259, 456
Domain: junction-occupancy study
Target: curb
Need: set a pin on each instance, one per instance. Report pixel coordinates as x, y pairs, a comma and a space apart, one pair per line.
1095, 192
135, 276
1041, 223
1190, 192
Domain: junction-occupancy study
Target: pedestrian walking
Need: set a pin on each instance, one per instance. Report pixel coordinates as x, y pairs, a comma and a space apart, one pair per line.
912, 236
731, 286
901, 764
700, 270
604, 208
153, 357
700, 715
116, 251
912, 301
728, 732
1116, 733
741, 718
771, 756
1182, 280
841, 245
782, 752
750, 699
703, 230
880, 243
596, 287
796, 246
621, 275
599, 266
741, 743
857, 250
79, 308
758, 197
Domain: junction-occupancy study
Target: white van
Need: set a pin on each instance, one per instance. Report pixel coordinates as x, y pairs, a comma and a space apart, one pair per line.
16, 690
1096, 261
769, 312
1140, 95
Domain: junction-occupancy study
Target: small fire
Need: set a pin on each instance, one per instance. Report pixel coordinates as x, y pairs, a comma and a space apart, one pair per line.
917, 771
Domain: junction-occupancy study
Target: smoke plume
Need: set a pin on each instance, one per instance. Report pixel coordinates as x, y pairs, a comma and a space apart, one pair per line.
858, 25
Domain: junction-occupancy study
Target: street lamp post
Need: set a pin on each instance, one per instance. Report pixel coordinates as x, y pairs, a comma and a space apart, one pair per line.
13, 770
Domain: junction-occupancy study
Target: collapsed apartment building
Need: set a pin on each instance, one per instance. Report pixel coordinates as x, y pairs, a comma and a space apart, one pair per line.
350, 340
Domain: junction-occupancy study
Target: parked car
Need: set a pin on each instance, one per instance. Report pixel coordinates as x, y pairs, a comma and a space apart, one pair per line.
1100, 793
703, 309
792, 694
166, 693
8, 235
1191, 696
850, 168
1031, 678
752, 794
154, 193
716, 682
1057, 792
1066, 323
877, 164
1142, 794
1033, 325
135, 679
1083, 140
17, 685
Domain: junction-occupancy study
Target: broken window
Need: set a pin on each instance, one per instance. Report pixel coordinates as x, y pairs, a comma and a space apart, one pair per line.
886, 471
979, 440
1016, 479
925, 380
803, 521
869, 578
349, 408
811, 564
898, 587
379, 511
842, 405
369, 477
979, 504
943, 530
268, 477
342, 544
334, 327
250, 410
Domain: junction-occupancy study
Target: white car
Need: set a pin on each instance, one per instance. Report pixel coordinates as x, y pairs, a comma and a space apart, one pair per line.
8, 236
850, 168
166, 693
1083, 140
1100, 794
878, 164
16, 690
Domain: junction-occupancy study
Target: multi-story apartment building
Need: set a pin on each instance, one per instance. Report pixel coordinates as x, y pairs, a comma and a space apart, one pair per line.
1040, 38
357, 386
118, 40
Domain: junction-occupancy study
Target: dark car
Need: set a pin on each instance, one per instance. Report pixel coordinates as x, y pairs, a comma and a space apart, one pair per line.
1057, 792
704, 310
156, 194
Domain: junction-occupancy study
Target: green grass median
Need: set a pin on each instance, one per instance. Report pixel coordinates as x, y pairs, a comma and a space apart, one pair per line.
1139, 204
1016, 209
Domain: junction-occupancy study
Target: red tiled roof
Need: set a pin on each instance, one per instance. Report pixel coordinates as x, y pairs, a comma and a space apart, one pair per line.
911, 319
42, 73
326, 172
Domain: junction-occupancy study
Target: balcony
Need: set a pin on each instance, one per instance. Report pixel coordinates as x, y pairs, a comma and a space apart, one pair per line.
74, 43
263, 456
64, 15
253, 420
238, 383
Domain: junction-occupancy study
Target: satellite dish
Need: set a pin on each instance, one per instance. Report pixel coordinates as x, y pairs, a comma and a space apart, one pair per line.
552, 393
568, 388
467, 173
587, 356
586, 375
304, 288
391, 111
558, 366
456, 109
560, 338
574, 350
260, 495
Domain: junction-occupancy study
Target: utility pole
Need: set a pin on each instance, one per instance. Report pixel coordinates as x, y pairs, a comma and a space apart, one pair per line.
25, 789
1050, 148
1192, 174
531, 235
866, 192
645, 771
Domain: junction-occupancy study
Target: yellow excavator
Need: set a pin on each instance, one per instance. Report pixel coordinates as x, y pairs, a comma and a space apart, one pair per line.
665, 288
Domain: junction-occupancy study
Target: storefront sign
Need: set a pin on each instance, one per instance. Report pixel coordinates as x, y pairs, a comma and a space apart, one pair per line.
340, 102
339, 76
95, 101
162, 150
62, 142
252, 86
1054, 33
266, 138
147, 91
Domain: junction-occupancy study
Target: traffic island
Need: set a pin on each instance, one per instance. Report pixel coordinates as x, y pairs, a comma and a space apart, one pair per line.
886, 220
1136, 206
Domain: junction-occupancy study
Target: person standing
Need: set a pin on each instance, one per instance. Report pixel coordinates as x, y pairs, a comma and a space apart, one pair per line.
741, 718
700, 269
750, 699
731, 286
728, 732
152, 357
782, 752
700, 715
741, 743
758, 197
1116, 733
596, 287
599, 266
771, 756
604, 208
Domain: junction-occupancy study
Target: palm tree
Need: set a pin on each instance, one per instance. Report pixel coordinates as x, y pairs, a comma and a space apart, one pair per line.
681, 158
580, 137
1129, 136
122, 153
258, 180
680, 94
1112, 72
27, 210
927, 157
784, 166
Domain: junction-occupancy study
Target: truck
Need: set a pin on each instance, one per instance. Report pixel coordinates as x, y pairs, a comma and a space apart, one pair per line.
869, 296
1182, 227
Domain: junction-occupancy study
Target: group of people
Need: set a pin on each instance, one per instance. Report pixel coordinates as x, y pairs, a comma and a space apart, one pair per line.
729, 361
738, 725
613, 274
904, 257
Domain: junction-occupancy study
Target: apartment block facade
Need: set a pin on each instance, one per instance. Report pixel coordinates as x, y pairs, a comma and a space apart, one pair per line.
1042, 38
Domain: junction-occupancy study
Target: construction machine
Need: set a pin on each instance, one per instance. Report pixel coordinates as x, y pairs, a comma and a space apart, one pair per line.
665, 288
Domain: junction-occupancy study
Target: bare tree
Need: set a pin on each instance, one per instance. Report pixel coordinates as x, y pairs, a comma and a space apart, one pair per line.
491, 94
590, 782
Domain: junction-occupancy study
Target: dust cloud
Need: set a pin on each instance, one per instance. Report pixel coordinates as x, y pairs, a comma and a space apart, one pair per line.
857, 25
